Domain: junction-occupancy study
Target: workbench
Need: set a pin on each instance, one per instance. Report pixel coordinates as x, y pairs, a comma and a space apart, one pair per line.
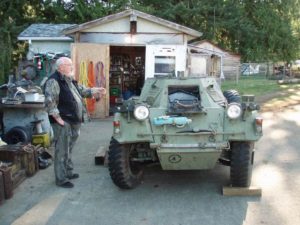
23, 115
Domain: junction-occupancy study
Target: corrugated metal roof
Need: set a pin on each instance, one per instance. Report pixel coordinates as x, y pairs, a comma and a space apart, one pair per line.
42, 31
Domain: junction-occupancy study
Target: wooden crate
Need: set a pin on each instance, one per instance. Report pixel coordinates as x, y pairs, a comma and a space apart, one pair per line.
18, 178
11, 154
21, 157
8, 184
28, 162
2, 195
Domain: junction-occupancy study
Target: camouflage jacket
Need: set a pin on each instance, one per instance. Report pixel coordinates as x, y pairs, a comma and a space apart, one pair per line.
52, 91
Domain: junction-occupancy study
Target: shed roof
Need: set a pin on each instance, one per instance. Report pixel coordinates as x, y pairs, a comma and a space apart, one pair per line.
216, 47
41, 31
198, 43
133, 12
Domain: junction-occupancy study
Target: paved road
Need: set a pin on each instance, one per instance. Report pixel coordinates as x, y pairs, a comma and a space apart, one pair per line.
167, 198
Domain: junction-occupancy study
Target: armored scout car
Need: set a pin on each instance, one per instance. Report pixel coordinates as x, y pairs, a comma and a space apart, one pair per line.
184, 124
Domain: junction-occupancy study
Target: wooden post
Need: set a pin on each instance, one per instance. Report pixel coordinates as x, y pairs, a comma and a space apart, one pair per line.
237, 76
100, 157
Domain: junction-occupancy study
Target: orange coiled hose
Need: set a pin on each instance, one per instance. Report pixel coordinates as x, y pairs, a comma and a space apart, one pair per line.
90, 102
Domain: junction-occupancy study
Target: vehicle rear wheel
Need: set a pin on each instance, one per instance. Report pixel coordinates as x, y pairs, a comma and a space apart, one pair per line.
241, 163
124, 172
232, 96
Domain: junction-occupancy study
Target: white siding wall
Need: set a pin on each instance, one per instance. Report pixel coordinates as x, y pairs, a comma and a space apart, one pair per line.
197, 65
117, 26
49, 46
145, 26
137, 39
123, 26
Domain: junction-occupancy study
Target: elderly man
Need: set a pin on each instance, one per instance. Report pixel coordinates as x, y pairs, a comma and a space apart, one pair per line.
65, 108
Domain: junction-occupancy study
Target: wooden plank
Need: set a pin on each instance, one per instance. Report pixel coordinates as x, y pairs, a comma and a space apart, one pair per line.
101, 155
242, 191
88, 52
23, 106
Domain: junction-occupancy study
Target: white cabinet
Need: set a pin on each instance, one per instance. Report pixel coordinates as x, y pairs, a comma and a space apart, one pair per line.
165, 60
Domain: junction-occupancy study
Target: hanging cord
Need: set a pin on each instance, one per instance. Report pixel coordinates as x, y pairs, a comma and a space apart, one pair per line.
83, 80
91, 76
91, 83
100, 77
100, 80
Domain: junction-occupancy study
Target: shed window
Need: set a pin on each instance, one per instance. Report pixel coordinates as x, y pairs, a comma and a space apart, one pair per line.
164, 65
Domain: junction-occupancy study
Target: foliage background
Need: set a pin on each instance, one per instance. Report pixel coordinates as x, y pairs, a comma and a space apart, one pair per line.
259, 30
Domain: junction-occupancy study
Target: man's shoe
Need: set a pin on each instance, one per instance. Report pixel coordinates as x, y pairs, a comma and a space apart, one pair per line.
67, 184
74, 176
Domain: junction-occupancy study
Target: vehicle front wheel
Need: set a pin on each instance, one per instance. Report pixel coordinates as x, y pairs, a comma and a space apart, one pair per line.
241, 163
124, 172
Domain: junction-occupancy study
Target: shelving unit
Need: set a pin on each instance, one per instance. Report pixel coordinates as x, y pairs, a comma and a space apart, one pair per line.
126, 73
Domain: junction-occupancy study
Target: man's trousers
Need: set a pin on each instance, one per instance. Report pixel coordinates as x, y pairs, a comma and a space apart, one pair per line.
64, 140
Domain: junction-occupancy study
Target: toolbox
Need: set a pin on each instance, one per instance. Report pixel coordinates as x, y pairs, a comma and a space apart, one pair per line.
43, 139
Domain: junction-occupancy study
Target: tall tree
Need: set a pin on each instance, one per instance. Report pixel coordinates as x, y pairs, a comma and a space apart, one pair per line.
258, 30
14, 17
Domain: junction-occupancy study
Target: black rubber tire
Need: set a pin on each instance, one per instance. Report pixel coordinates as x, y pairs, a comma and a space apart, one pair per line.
30, 71
124, 173
18, 134
232, 96
241, 163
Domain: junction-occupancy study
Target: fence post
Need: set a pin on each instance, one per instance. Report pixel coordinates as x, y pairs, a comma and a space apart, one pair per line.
237, 75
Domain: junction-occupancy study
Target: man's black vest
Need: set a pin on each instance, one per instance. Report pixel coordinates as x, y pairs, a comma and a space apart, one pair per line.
67, 104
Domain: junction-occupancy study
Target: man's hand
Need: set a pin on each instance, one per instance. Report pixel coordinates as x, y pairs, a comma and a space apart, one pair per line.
59, 120
96, 91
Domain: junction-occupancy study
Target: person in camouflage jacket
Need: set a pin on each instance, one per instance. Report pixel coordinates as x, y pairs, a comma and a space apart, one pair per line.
63, 97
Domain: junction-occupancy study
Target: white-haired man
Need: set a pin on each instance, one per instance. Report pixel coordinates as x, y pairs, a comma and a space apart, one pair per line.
65, 108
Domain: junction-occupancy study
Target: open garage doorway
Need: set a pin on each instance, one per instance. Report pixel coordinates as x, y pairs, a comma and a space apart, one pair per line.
127, 72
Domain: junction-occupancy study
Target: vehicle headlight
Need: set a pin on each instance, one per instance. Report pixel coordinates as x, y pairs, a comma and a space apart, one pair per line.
234, 110
141, 112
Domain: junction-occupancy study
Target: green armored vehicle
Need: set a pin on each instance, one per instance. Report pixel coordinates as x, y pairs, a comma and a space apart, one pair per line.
184, 124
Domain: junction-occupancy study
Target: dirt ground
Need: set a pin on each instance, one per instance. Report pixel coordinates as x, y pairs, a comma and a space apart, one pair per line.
279, 101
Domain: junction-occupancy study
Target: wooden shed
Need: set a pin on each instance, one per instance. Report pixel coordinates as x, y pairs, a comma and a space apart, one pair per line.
125, 49
213, 60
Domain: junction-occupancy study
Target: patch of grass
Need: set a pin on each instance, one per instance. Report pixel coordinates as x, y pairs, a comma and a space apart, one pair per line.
258, 86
